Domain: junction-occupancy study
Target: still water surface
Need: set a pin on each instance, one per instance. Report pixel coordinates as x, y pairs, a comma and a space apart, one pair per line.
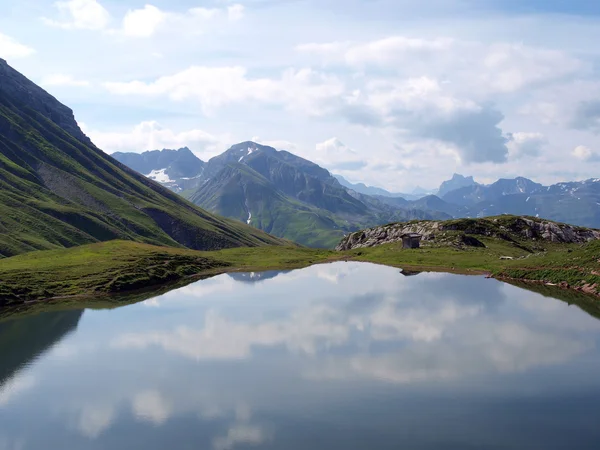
338, 356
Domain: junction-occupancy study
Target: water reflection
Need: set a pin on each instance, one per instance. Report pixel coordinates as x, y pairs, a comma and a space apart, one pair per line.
344, 355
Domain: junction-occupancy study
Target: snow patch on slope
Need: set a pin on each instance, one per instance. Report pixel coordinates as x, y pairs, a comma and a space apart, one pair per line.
248, 153
160, 176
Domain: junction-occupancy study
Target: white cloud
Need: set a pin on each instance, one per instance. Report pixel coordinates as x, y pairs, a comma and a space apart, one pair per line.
80, 14
495, 68
148, 21
15, 386
583, 153
278, 144
510, 67
64, 80
151, 406
394, 50
327, 49
423, 108
336, 155
94, 419
143, 22
526, 144
213, 87
151, 135
240, 434
205, 13
10, 48
235, 12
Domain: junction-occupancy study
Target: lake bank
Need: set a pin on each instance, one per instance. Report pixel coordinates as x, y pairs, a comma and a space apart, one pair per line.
117, 267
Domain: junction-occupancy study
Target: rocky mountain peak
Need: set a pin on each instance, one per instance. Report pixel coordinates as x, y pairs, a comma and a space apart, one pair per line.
456, 182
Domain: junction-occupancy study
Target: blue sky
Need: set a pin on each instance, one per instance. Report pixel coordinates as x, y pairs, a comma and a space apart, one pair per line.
394, 93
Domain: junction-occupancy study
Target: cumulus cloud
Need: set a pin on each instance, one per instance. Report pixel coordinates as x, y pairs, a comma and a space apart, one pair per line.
583, 153
148, 21
151, 406
526, 144
10, 48
143, 22
393, 50
498, 68
213, 87
151, 135
510, 67
335, 155
421, 108
64, 80
80, 14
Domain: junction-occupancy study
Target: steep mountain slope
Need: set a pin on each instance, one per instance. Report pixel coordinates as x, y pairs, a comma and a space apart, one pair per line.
289, 196
177, 170
58, 190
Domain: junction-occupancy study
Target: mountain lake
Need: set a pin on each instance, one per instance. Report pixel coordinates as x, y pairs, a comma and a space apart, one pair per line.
334, 356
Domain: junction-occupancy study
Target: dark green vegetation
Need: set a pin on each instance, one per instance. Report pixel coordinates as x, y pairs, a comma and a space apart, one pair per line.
58, 190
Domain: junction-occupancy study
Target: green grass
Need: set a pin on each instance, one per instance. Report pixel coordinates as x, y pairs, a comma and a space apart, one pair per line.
102, 269
58, 191
124, 266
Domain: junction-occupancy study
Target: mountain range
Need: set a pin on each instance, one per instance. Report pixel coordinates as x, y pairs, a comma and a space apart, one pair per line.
291, 197
276, 191
57, 189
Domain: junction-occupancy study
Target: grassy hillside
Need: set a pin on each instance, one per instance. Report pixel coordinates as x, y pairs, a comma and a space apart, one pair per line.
58, 190
118, 266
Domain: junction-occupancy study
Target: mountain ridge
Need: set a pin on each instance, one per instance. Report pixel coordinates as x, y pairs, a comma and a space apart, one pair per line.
57, 189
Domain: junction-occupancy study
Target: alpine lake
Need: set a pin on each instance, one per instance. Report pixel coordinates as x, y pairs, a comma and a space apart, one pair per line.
335, 356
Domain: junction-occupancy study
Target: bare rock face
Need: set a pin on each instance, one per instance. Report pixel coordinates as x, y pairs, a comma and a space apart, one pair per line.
503, 228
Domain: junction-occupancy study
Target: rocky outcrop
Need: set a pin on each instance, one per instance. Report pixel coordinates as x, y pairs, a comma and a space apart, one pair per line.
504, 227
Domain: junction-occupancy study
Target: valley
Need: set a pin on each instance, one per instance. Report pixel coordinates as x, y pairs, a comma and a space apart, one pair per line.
77, 223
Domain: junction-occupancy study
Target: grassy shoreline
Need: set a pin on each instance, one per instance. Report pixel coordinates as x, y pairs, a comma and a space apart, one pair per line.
101, 271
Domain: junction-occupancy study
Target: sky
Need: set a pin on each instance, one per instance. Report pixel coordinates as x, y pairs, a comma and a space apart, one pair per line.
392, 93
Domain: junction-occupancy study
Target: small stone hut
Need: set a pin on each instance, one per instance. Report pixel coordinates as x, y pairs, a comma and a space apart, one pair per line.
411, 240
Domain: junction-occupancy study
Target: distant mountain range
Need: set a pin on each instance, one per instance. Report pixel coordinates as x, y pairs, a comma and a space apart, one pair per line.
362, 188
57, 189
276, 191
291, 197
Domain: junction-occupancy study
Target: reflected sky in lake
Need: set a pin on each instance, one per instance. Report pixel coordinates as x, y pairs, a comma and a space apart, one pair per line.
344, 355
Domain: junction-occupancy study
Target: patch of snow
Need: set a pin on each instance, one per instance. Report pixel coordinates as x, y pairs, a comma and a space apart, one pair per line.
249, 151
249, 218
527, 199
521, 190
160, 176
